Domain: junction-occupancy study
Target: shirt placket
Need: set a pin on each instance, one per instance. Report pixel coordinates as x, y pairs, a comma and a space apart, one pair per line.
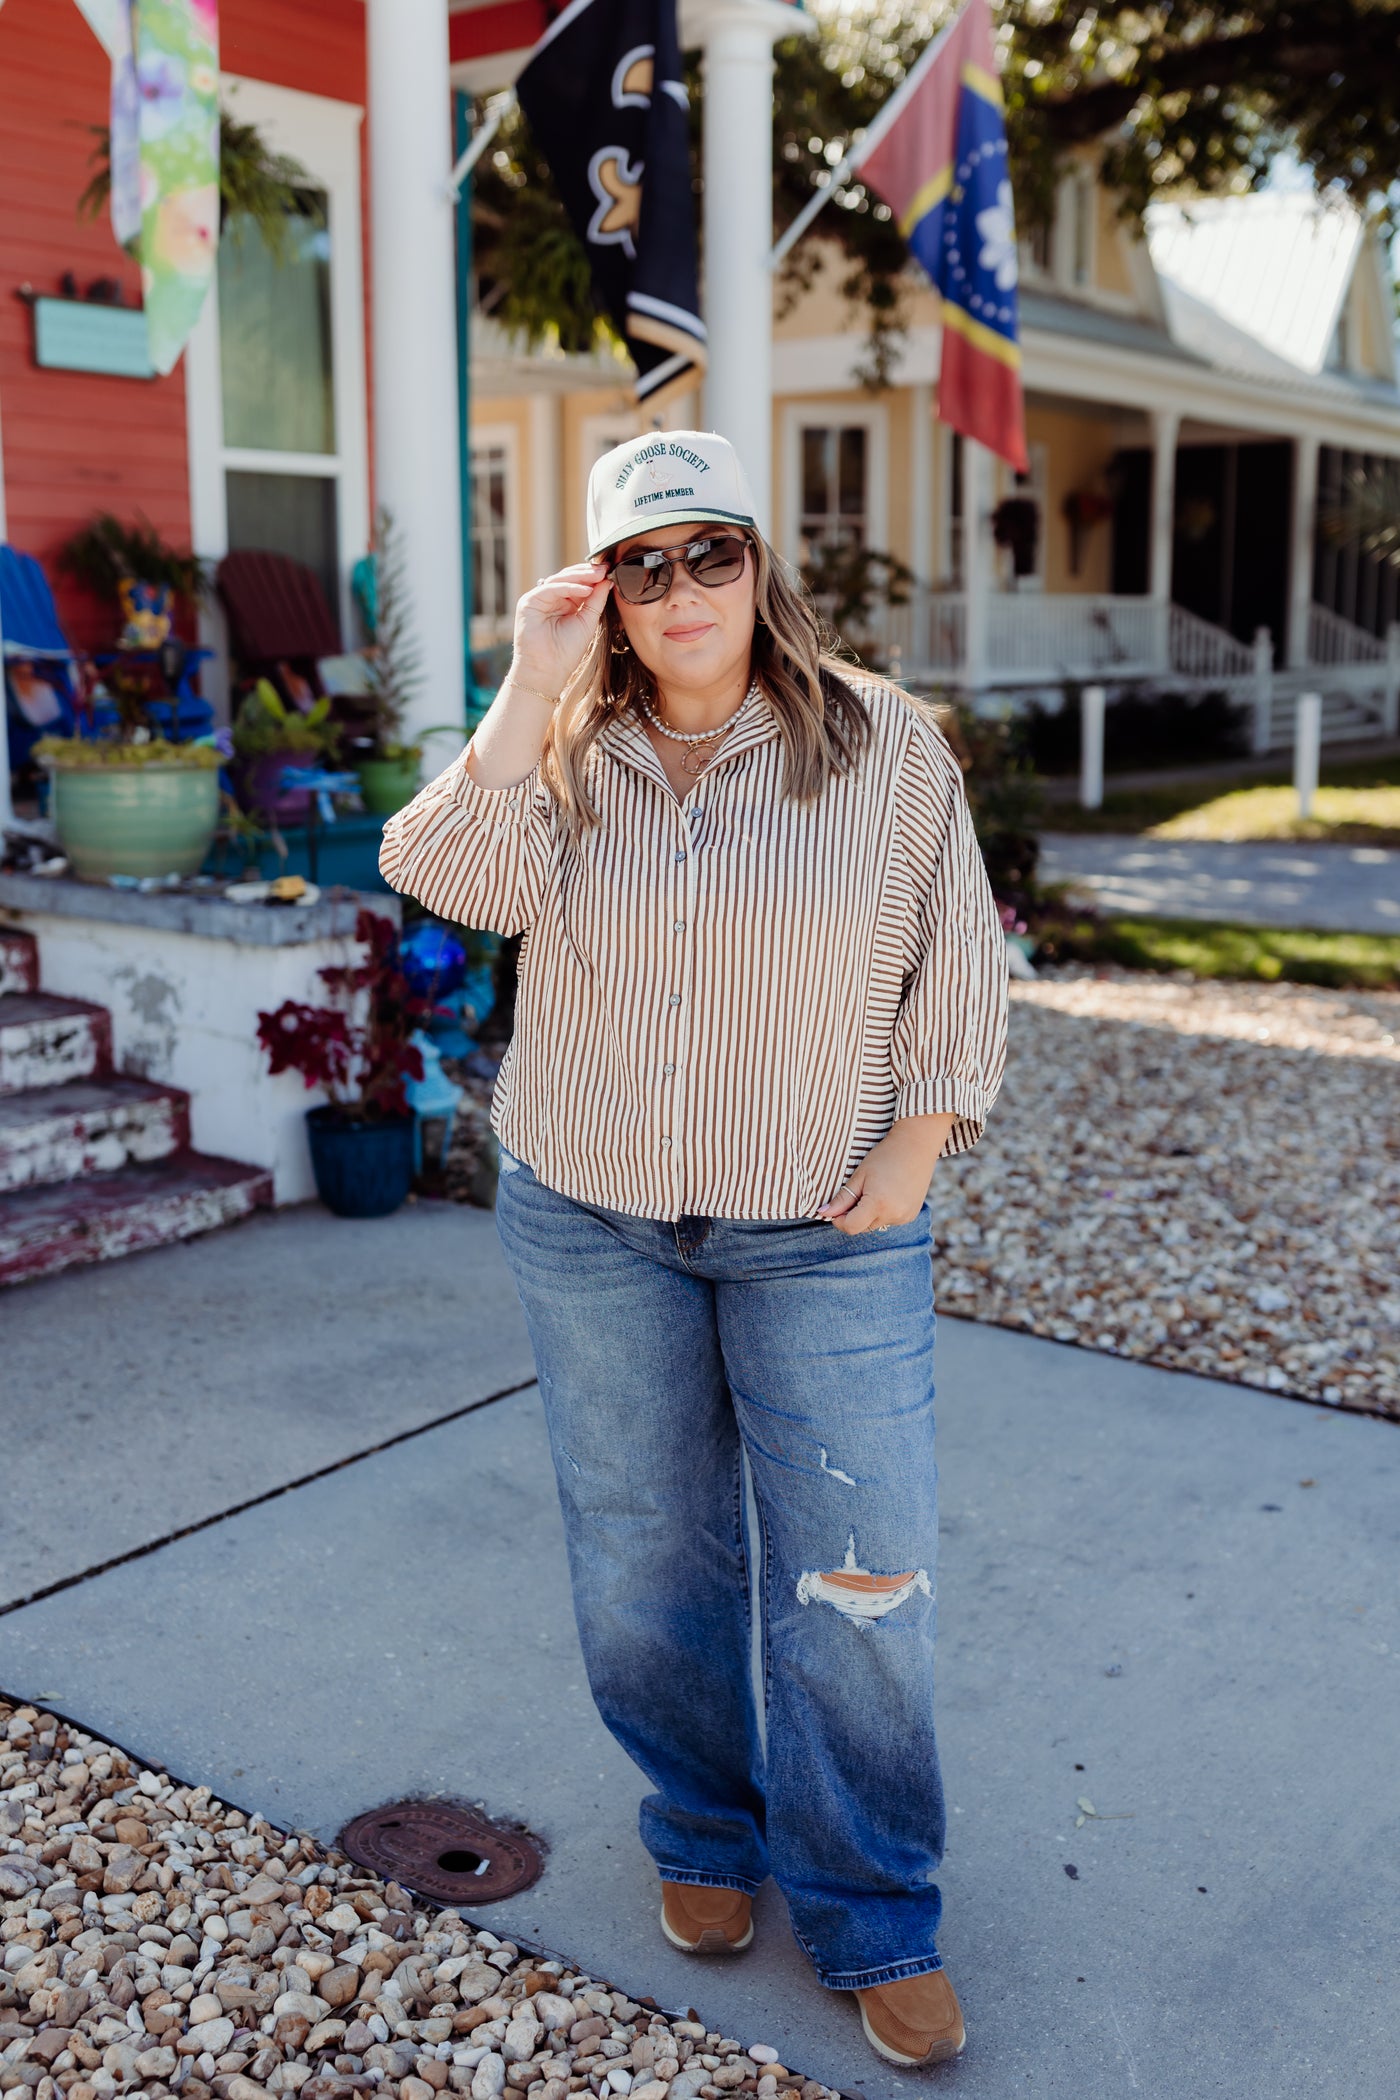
676, 1031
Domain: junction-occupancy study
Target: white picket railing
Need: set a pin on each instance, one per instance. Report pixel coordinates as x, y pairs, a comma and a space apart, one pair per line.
1333, 640
1198, 649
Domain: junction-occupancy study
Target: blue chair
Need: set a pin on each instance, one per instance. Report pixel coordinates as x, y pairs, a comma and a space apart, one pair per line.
31, 634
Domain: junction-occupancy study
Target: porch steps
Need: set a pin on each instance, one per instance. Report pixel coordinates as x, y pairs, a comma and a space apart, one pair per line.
101, 1216
88, 1126
1346, 719
19, 962
44, 1040
93, 1164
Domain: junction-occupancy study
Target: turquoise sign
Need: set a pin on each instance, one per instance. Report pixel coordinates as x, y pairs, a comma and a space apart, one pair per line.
78, 335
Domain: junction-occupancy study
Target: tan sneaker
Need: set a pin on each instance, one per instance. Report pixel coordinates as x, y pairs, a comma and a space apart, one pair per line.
914, 2021
706, 1921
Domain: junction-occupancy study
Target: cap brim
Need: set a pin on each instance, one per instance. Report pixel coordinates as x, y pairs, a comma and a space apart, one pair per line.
676, 514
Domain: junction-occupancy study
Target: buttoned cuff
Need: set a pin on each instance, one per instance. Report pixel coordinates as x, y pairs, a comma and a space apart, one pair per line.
507, 805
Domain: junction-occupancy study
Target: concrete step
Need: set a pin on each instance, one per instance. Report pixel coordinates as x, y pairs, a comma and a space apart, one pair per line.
43, 1230
88, 1126
45, 1040
19, 962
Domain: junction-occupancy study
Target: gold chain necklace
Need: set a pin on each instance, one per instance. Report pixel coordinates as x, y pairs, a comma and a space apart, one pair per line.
700, 744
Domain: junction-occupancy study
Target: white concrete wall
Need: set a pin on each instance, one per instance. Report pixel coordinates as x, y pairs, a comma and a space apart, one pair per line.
185, 1011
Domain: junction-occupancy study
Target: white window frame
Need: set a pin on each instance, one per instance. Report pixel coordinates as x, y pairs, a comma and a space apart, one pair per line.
820, 413
486, 631
324, 136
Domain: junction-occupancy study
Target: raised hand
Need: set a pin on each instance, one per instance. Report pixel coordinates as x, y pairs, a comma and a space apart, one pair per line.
554, 624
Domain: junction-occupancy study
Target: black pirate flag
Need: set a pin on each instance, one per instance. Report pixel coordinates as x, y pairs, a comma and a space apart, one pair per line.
606, 98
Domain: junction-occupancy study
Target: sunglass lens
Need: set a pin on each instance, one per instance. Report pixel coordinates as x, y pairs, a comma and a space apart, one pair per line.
639, 580
719, 561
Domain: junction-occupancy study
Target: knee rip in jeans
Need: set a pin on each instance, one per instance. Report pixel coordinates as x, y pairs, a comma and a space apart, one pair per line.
856, 1593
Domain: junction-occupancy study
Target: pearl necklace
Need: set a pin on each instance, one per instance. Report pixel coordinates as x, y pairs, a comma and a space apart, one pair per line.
696, 757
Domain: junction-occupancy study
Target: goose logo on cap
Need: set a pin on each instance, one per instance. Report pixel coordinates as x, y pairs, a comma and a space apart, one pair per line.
668, 477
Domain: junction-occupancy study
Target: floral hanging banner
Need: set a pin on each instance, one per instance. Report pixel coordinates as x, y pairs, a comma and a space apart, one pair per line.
110, 22
164, 154
177, 78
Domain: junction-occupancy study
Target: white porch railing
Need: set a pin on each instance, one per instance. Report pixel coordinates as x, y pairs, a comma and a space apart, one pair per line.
1036, 639
1197, 649
1333, 640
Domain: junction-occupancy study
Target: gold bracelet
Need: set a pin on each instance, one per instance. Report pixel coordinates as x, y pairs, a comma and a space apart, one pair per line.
550, 700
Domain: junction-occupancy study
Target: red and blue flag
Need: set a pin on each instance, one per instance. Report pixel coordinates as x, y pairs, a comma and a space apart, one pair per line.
937, 155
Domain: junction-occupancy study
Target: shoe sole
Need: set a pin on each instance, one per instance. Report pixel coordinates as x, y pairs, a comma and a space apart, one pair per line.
940, 2053
711, 1941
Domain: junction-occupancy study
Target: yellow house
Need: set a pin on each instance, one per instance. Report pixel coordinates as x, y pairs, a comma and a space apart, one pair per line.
1192, 398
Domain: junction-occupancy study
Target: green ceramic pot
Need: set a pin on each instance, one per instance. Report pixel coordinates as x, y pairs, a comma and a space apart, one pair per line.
135, 820
386, 784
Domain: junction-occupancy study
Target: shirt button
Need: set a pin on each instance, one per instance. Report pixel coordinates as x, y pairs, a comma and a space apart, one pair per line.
668, 1068
674, 1000
679, 926
664, 1143
680, 856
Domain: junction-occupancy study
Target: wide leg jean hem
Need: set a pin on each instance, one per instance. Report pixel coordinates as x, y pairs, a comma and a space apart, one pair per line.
869, 1979
687, 1878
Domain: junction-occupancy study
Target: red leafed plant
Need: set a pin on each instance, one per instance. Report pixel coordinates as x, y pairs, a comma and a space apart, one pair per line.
359, 1051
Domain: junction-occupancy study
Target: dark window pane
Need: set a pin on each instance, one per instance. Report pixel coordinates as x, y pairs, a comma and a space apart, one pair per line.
815, 474
853, 473
288, 514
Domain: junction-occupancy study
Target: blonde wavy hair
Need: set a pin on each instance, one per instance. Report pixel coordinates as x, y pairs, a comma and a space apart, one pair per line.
822, 715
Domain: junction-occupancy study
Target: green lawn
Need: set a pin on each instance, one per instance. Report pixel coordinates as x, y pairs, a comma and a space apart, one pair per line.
1356, 804
1268, 954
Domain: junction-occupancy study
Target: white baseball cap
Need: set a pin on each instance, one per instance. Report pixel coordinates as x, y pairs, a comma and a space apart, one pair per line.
668, 477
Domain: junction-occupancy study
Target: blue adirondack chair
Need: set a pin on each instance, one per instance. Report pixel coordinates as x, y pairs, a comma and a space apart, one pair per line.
31, 635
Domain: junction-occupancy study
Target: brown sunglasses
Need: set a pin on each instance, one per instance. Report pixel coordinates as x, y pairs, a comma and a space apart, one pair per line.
644, 575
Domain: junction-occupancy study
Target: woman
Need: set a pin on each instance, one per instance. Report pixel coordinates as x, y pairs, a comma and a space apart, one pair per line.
762, 989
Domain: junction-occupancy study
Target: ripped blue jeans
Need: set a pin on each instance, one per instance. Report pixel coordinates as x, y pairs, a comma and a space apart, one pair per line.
663, 1351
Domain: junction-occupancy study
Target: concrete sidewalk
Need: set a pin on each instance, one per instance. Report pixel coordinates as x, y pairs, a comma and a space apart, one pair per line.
1342, 889
1171, 1598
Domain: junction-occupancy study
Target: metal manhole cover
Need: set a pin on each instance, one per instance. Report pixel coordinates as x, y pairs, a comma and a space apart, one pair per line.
456, 1856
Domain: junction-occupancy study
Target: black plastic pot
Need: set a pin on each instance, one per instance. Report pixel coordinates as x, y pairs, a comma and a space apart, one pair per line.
363, 1170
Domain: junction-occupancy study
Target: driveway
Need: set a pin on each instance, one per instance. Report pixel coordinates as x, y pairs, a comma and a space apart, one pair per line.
1341, 889
287, 1496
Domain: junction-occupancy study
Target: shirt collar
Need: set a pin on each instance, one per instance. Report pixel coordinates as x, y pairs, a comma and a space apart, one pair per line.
626, 740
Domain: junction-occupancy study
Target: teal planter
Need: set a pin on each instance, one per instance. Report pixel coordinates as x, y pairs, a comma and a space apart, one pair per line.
135, 820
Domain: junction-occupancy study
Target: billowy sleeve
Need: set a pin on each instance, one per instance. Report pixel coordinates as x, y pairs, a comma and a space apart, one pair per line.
478, 856
948, 1047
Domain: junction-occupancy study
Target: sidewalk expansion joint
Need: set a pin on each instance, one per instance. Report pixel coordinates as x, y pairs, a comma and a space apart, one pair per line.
237, 1509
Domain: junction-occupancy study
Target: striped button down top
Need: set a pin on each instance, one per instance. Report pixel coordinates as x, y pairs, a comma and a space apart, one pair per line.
725, 1001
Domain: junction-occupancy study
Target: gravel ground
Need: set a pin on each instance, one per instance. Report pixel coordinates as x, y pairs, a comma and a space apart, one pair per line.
1196, 1174
155, 1941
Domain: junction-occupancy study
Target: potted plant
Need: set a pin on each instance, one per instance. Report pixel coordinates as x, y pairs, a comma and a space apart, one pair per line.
128, 801
269, 736
143, 579
361, 1052
389, 773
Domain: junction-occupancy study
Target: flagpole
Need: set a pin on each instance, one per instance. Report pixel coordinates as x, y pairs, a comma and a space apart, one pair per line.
869, 140
471, 153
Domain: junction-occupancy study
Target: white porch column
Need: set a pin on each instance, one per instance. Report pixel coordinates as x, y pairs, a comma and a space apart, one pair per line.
737, 37
979, 559
546, 483
1165, 426
920, 519
417, 452
1300, 548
